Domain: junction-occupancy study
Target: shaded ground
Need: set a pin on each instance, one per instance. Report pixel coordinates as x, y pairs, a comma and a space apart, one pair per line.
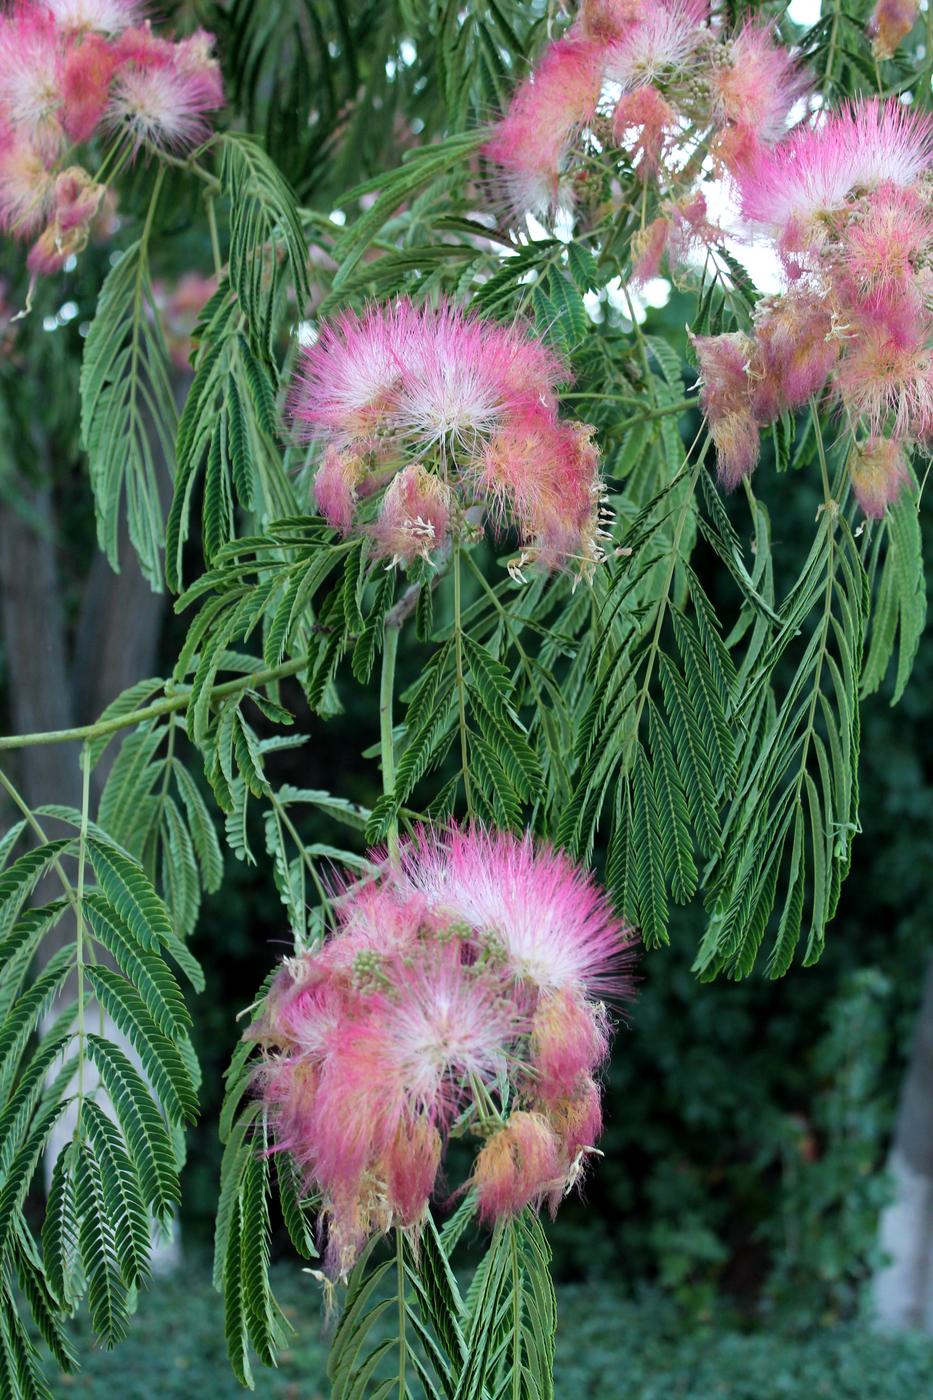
608, 1348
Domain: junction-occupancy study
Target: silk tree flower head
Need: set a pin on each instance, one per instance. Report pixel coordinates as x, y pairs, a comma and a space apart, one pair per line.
31, 69
756, 82
889, 23
99, 16
421, 1017
795, 189
726, 396
450, 415
662, 39
164, 91
533, 141
878, 472
672, 84
77, 198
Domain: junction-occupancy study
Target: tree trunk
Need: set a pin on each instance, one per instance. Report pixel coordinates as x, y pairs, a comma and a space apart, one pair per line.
116, 643
903, 1287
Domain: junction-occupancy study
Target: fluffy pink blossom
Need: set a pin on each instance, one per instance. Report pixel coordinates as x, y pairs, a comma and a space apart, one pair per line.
887, 238
726, 396
878, 471
642, 121
163, 92
569, 1040
27, 186
520, 1165
532, 141
472, 404
85, 86
648, 248
104, 16
31, 61
609, 19
414, 516
555, 926
796, 351
661, 41
890, 22
816, 169
335, 487
759, 84
453, 385
886, 376
375, 1047
347, 383
577, 1120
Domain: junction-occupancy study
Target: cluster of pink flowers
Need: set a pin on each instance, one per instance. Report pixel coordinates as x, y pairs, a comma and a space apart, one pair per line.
458, 995
448, 413
72, 70
664, 83
847, 204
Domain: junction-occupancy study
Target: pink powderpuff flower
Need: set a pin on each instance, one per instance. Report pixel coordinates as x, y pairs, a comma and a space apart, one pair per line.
27, 186
609, 19
520, 1165
814, 171
436, 1023
163, 92
77, 197
641, 123
691, 227
878, 472
374, 1047
194, 57
31, 59
889, 23
547, 111
796, 351
663, 39
335, 487
569, 1038
410, 1168
577, 1120
88, 71
648, 248
454, 379
886, 376
555, 926
568, 532
759, 83
414, 517
100, 16
347, 383
374, 916
724, 362
889, 235
515, 470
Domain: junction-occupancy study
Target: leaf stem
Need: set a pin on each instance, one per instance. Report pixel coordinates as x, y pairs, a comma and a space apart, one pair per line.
461, 690
390, 638
166, 706
402, 1334
212, 225
516, 1318
79, 925
37, 828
